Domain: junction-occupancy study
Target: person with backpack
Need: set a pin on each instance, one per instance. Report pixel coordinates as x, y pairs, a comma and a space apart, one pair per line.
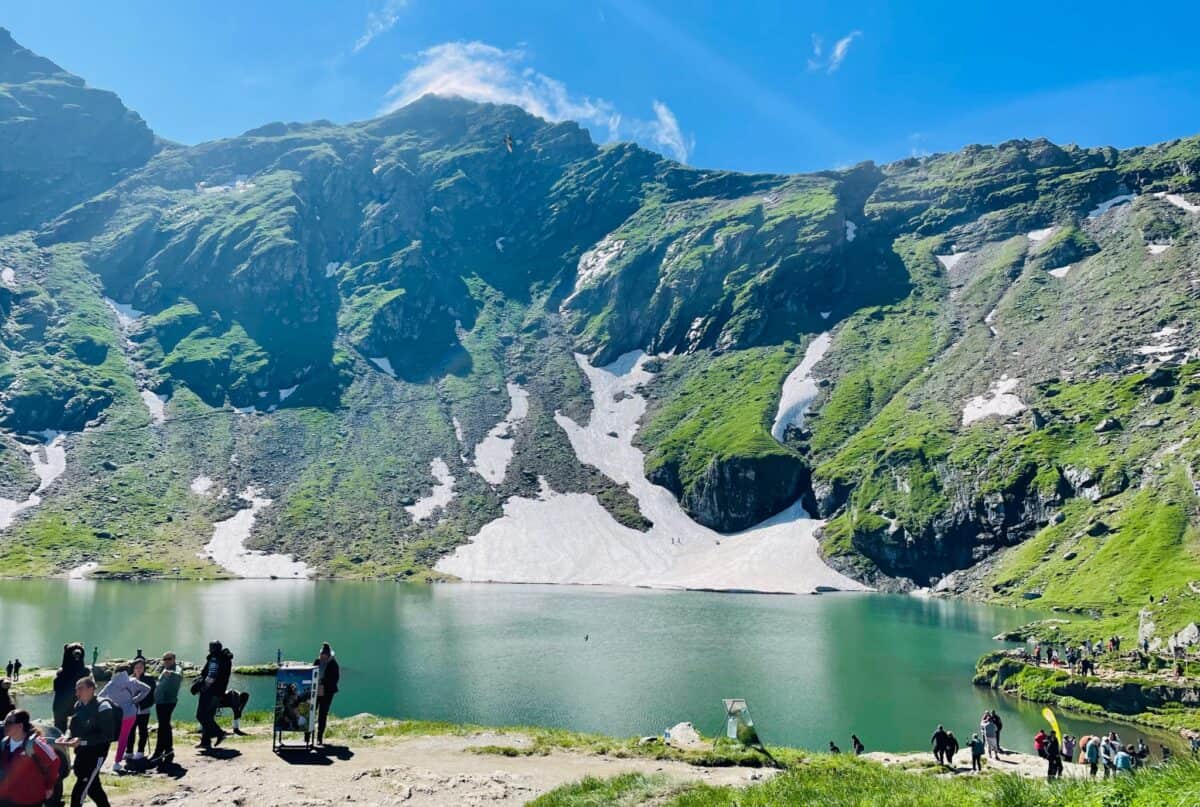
95, 725
328, 676
218, 666
141, 723
940, 743
72, 669
1054, 765
166, 697
126, 692
29, 766
976, 753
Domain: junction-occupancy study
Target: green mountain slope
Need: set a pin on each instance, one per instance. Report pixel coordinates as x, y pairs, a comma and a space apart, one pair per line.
322, 313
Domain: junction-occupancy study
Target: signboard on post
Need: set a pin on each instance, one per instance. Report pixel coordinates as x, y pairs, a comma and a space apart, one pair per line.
295, 704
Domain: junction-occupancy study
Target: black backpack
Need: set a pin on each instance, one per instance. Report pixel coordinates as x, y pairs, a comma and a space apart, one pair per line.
110, 718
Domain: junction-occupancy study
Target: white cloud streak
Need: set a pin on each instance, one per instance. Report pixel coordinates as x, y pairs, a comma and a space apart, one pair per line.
830, 62
380, 22
478, 71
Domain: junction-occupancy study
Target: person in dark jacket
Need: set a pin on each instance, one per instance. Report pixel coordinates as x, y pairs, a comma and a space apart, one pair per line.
1054, 765
141, 725
90, 734
166, 697
6, 701
940, 742
73, 668
218, 666
28, 764
329, 674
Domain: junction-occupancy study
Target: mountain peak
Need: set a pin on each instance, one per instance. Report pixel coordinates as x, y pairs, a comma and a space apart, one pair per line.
19, 64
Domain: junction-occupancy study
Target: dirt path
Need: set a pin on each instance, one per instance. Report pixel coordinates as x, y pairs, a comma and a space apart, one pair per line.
416, 771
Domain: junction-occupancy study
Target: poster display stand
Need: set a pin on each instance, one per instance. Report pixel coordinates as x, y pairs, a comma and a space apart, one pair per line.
295, 705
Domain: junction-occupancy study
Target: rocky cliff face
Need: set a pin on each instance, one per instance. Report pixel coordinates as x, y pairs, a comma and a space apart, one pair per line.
322, 311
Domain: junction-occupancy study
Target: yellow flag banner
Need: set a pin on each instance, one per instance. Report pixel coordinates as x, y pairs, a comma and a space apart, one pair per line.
1053, 721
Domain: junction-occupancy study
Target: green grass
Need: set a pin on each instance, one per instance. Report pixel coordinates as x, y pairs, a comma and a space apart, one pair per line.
619, 791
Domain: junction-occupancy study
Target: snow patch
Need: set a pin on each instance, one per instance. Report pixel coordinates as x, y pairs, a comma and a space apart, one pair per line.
49, 460
1109, 204
799, 389
989, 320
569, 538
228, 545
156, 404
83, 571
127, 315
1160, 342
240, 185
825, 314
595, 261
999, 400
458, 429
950, 261
284, 394
201, 485
9, 277
1158, 249
1179, 202
331, 268
500, 243
851, 230
495, 451
443, 492
1060, 272
1037, 236
383, 364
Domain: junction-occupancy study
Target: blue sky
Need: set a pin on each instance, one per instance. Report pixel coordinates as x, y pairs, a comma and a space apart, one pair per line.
758, 86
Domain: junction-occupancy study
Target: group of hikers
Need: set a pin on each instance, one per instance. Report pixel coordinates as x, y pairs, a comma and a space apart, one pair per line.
1093, 750
1081, 658
89, 719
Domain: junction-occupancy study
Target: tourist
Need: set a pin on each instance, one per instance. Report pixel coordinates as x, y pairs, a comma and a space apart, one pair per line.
211, 690
991, 735
1124, 760
939, 744
166, 697
1109, 748
28, 764
8, 669
976, 752
141, 725
833, 749
328, 676
1141, 752
1195, 743
16, 673
859, 748
1091, 752
126, 692
68, 675
999, 728
6, 701
1054, 765
1039, 743
1068, 748
1166, 753
90, 733
951, 747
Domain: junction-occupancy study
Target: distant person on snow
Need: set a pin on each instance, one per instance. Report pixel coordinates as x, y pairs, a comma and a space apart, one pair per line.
72, 669
126, 692
329, 674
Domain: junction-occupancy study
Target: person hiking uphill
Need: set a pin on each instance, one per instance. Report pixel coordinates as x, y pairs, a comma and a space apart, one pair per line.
328, 676
126, 692
94, 723
29, 766
211, 688
72, 669
940, 742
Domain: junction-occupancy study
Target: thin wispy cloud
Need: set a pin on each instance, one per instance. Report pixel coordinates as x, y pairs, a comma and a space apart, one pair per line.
829, 61
478, 71
380, 21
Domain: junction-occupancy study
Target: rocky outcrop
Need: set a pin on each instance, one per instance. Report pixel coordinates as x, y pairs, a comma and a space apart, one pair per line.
736, 493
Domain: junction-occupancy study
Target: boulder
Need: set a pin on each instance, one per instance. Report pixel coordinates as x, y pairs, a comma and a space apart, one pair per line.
1107, 425
685, 737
